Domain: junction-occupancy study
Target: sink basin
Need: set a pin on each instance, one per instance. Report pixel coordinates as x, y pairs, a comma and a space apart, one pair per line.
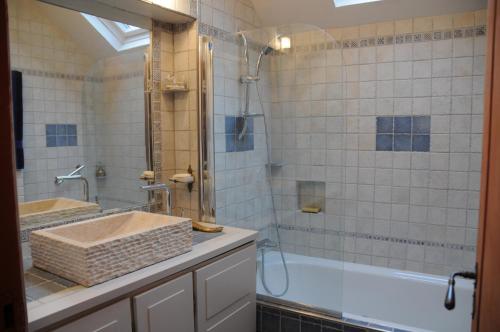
46, 210
97, 250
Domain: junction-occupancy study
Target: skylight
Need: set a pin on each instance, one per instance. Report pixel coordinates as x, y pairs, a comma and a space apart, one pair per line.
121, 36
342, 3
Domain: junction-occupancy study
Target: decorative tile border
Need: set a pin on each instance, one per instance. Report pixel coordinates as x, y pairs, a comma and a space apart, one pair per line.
358, 235
75, 77
466, 32
155, 90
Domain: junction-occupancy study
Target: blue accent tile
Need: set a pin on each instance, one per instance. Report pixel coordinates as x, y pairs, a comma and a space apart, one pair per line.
248, 144
61, 130
230, 146
421, 125
230, 123
50, 129
421, 143
385, 124
62, 140
402, 142
72, 141
384, 142
250, 125
71, 130
402, 124
51, 141
233, 126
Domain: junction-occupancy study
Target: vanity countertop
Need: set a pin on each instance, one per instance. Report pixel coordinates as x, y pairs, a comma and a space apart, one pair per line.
52, 299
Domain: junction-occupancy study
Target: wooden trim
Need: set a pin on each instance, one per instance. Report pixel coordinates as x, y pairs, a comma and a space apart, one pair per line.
11, 279
487, 300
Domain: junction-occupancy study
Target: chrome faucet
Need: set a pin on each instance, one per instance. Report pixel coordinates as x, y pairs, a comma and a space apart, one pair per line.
75, 175
168, 194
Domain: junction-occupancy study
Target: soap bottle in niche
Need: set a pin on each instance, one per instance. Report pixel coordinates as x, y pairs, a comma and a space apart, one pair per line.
100, 172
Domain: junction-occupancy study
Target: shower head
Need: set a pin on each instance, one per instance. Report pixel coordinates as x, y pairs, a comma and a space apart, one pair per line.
266, 50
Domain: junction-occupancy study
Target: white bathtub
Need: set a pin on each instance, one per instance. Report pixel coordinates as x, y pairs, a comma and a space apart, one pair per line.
399, 299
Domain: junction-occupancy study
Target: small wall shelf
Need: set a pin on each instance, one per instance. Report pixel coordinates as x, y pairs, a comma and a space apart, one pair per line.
174, 90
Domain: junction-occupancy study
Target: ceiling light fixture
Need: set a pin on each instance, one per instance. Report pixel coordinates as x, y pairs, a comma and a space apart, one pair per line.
342, 3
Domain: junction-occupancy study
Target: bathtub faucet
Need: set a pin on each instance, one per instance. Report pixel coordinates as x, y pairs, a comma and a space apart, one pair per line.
449, 300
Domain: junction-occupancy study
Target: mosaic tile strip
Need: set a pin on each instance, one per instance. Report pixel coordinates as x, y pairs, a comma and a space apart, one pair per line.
466, 32
277, 318
163, 26
358, 235
75, 77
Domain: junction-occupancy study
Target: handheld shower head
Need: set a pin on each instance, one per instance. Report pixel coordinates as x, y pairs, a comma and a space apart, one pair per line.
264, 51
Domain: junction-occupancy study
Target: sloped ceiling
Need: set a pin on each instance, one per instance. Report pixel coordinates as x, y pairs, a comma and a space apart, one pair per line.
80, 31
322, 13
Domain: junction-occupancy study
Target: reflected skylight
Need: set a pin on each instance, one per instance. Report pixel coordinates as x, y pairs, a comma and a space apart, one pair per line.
120, 35
125, 27
342, 3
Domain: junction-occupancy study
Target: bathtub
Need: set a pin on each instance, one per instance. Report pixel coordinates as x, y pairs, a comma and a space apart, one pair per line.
399, 299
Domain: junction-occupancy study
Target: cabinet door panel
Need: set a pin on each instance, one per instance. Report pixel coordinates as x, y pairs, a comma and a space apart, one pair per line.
168, 307
242, 319
226, 289
115, 318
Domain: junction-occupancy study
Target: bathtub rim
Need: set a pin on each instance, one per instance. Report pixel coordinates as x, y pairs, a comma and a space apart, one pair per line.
293, 258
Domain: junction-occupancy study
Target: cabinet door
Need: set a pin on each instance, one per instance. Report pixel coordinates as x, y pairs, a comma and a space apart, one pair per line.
115, 318
166, 308
225, 293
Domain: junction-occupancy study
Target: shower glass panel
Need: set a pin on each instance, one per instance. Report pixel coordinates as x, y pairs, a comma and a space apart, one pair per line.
282, 134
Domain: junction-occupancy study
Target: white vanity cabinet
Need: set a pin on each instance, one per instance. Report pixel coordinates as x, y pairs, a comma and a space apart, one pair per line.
168, 307
217, 295
225, 293
114, 318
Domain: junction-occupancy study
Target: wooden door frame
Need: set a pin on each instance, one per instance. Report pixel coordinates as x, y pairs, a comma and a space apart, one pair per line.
12, 298
487, 300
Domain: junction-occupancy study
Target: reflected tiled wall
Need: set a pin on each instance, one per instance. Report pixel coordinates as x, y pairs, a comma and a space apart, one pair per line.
103, 99
54, 70
118, 129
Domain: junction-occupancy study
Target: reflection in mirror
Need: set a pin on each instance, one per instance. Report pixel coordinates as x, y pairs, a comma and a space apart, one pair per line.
78, 98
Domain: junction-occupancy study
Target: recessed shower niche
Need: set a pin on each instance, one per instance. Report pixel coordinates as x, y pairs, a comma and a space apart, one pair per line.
311, 196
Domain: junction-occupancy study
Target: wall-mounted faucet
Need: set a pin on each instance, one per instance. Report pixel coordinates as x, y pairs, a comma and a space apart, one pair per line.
168, 194
75, 175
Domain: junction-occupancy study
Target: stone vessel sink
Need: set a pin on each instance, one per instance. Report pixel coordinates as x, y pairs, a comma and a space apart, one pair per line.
47, 210
97, 250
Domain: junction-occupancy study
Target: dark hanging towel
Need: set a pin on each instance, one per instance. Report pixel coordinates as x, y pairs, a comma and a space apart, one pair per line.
17, 107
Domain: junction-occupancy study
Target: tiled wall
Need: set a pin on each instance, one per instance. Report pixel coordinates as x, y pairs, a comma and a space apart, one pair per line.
408, 210
176, 113
53, 85
242, 190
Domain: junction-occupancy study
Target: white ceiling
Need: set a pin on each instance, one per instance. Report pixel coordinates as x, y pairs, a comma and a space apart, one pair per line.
322, 13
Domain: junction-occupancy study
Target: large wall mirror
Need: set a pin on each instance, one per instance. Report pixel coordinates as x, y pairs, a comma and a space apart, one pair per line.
81, 112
